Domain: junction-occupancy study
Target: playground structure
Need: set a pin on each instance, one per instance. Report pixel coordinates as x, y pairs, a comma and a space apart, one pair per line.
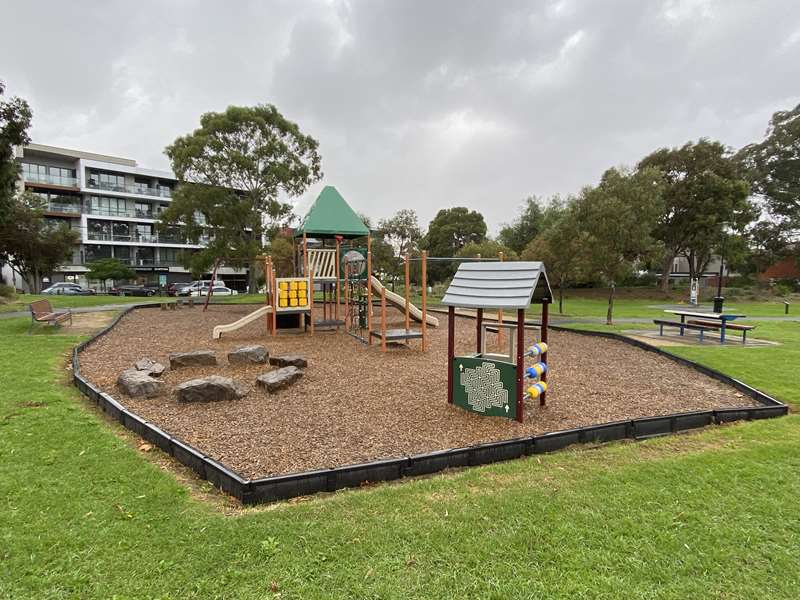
320, 265
492, 384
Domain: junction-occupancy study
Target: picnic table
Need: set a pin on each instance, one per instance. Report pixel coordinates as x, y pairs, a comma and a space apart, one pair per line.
723, 319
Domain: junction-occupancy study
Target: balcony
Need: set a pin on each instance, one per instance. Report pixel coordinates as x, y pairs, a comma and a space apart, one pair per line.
135, 188
62, 207
70, 182
129, 213
143, 238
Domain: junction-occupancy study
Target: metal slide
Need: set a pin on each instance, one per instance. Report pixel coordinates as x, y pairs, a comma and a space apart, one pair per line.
220, 329
400, 302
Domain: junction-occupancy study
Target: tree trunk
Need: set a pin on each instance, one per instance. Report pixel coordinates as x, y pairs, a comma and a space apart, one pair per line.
36, 287
561, 296
692, 269
609, 315
665, 271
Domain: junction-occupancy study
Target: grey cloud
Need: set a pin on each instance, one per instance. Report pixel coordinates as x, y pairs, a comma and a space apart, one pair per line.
416, 104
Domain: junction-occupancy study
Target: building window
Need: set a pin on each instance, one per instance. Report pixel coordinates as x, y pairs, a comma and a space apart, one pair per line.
143, 210
94, 252
121, 231
99, 230
112, 207
144, 233
123, 253
107, 181
145, 256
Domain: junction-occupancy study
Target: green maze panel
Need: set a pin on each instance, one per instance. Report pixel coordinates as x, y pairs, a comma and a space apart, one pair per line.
483, 386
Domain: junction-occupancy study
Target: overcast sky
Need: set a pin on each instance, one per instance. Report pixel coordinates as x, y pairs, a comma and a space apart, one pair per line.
421, 105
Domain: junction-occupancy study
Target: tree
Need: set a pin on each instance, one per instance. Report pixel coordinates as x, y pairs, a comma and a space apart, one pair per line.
281, 250
617, 219
486, 249
449, 231
109, 268
704, 193
524, 228
773, 166
559, 247
15, 119
231, 170
402, 231
30, 243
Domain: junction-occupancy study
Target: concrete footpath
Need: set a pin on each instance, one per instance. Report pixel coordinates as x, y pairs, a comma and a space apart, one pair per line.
555, 320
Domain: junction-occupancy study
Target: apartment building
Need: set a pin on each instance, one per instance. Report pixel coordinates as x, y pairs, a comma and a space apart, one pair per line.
114, 204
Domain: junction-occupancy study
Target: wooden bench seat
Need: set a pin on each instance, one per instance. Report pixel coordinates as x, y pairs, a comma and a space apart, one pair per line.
42, 312
728, 327
664, 323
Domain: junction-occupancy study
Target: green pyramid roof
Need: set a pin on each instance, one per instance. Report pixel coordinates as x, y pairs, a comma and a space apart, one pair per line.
331, 215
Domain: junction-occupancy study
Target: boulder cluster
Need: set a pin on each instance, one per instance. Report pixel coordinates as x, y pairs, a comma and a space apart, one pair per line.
143, 381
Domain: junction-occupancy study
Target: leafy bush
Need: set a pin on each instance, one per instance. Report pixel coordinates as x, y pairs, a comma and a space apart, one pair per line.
7, 291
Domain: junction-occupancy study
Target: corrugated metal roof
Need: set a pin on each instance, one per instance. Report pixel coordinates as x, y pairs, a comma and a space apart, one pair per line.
498, 285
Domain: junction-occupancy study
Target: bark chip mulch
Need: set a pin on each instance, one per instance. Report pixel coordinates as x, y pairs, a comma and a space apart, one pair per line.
356, 404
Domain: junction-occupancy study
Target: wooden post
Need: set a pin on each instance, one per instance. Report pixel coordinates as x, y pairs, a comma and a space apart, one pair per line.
543, 337
369, 290
500, 318
408, 283
520, 360
383, 319
424, 300
267, 285
451, 334
275, 298
311, 299
305, 255
478, 336
338, 273
347, 311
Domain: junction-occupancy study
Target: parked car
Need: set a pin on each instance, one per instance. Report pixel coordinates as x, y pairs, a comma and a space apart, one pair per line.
134, 290
217, 290
174, 288
68, 289
197, 286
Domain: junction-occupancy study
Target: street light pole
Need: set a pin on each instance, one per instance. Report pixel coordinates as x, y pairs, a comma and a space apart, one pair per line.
719, 300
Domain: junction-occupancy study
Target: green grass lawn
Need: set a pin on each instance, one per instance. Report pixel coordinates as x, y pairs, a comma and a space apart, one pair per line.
60, 301
84, 514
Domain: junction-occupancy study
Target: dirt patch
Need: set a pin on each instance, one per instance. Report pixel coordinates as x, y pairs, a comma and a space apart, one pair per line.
357, 404
85, 323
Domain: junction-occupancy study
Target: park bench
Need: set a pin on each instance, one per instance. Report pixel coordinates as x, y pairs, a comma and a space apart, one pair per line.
42, 312
682, 326
728, 327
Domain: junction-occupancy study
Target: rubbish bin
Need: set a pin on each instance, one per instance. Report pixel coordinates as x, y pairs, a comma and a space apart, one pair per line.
718, 302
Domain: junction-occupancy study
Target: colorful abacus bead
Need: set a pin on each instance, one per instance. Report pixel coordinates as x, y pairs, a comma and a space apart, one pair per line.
537, 349
536, 370
537, 389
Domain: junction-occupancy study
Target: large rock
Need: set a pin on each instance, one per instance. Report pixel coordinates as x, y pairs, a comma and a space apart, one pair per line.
249, 355
151, 367
280, 378
139, 384
210, 389
198, 358
290, 360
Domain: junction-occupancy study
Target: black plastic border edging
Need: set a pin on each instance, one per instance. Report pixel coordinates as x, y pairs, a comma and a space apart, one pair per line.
282, 487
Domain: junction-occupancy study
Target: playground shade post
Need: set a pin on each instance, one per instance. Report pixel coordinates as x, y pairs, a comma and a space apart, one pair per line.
369, 290
424, 300
544, 326
383, 319
520, 361
451, 335
408, 300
